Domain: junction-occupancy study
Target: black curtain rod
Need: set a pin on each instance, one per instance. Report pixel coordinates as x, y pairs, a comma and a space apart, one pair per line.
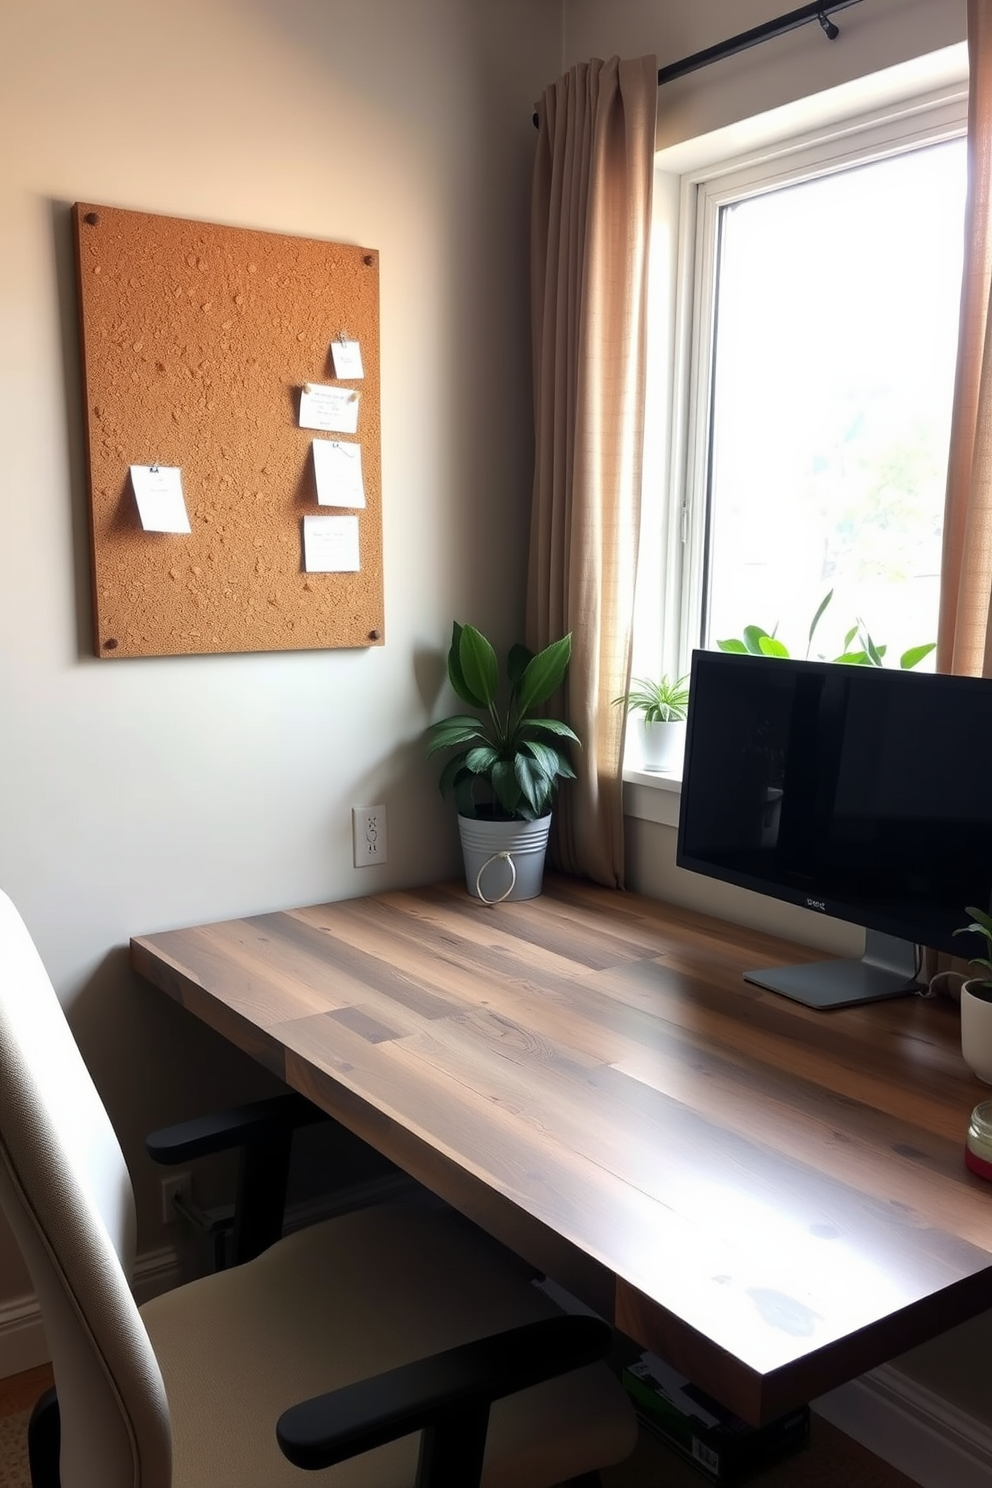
765, 32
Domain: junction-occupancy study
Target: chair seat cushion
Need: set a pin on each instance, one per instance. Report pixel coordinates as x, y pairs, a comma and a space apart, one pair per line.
346, 1299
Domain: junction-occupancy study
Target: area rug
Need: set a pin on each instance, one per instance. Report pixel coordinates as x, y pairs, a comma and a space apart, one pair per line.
14, 1450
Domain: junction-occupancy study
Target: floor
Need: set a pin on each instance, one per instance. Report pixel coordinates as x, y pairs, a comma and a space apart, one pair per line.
830, 1460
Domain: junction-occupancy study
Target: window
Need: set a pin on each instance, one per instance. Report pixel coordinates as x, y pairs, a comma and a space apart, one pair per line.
812, 337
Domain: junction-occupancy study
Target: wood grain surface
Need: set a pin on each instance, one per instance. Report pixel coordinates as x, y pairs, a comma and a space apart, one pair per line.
772, 1197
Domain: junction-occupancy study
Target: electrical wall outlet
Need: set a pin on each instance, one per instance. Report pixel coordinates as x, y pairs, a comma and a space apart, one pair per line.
176, 1184
368, 830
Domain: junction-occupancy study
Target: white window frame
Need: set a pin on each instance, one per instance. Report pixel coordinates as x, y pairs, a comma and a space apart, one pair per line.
917, 104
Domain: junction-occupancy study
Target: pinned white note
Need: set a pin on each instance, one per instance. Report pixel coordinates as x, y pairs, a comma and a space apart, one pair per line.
331, 408
338, 470
158, 490
347, 358
330, 544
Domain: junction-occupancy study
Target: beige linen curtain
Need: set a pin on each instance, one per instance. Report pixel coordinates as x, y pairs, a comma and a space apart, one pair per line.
591, 216
964, 635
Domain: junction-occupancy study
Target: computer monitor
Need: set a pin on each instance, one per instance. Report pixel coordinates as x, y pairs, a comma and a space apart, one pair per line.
864, 793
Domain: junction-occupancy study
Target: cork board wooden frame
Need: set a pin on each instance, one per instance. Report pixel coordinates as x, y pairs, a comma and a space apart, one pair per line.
197, 341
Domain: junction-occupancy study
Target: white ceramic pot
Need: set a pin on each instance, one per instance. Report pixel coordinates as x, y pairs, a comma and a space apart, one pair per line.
662, 744
976, 1033
504, 859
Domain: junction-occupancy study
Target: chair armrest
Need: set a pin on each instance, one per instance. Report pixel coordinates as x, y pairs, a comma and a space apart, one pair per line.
263, 1131
447, 1396
238, 1125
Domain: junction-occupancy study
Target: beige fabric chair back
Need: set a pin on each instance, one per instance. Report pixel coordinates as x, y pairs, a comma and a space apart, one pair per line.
65, 1189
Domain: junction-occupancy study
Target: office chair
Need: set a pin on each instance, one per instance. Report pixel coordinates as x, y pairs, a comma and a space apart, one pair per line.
362, 1352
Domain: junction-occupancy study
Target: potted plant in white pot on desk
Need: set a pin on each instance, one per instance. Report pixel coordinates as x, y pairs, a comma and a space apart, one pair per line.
659, 710
510, 755
976, 1001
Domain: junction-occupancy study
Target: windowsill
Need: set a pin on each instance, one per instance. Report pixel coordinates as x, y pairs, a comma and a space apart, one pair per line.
652, 796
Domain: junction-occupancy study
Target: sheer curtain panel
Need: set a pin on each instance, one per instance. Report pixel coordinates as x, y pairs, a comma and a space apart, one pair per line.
591, 216
964, 638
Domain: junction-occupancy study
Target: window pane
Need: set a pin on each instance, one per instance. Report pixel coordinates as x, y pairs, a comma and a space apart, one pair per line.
837, 317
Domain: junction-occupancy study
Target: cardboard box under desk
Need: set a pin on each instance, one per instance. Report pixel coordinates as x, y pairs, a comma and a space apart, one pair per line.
718, 1443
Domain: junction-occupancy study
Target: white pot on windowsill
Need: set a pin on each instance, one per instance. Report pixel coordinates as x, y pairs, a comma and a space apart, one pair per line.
662, 745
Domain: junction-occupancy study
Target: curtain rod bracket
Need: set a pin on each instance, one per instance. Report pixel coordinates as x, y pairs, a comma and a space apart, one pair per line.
818, 10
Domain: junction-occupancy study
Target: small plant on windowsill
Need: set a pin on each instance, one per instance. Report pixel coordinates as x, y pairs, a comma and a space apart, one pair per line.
660, 708
859, 647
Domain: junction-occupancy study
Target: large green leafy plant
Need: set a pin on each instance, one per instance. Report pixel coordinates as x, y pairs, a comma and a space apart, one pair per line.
859, 648
515, 756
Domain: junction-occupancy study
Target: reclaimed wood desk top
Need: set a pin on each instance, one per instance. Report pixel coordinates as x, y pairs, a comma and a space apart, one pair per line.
772, 1197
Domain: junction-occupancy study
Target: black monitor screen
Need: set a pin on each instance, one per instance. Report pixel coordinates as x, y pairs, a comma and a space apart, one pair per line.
861, 792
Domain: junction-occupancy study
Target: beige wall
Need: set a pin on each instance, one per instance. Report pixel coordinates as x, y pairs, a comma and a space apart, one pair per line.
139, 794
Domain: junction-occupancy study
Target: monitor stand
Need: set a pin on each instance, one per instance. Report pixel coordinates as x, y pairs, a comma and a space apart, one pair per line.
888, 968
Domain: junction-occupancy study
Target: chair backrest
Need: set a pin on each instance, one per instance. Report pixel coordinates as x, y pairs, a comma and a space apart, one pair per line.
65, 1190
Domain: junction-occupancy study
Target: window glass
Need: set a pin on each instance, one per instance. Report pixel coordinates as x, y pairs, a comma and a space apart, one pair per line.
833, 346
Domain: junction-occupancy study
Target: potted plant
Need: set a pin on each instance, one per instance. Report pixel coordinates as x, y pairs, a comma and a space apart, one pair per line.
660, 709
976, 1000
859, 648
507, 763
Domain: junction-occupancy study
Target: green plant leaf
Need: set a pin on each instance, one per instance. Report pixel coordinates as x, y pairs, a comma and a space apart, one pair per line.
481, 760
853, 658
552, 761
506, 787
461, 728
545, 756
816, 618
479, 667
915, 655
736, 648
981, 923
535, 783
455, 676
874, 653
543, 674
769, 646
531, 728
753, 635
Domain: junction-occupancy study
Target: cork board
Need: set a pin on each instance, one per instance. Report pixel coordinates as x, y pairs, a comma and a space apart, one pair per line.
197, 342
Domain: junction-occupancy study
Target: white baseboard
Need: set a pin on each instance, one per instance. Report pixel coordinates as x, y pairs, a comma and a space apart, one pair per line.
915, 1431
22, 1337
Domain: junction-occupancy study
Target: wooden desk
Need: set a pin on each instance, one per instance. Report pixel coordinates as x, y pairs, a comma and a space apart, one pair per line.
772, 1197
